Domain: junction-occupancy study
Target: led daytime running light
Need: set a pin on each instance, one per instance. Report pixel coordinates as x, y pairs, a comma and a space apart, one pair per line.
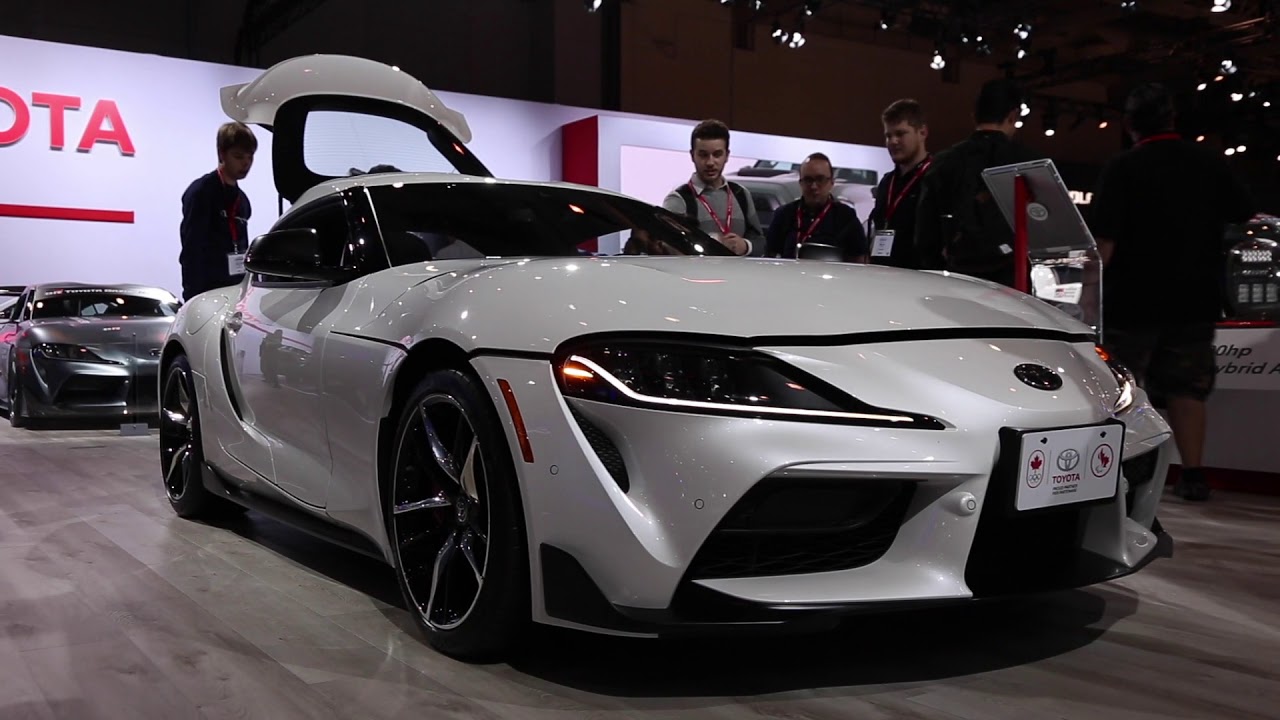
621, 387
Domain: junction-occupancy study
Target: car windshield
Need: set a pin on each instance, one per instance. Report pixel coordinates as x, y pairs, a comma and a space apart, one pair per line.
99, 303
440, 221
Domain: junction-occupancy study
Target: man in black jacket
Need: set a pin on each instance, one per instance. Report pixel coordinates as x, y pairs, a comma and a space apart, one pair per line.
817, 217
959, 227
215, 216
893, 220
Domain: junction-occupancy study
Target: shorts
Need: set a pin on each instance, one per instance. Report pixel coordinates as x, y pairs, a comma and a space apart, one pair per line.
1169, 361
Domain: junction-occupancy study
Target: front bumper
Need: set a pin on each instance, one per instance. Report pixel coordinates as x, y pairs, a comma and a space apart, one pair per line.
64, 389
639, 520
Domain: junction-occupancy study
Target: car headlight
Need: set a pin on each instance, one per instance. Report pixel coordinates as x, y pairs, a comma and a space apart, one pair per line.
715, 381
64, 351
1124, 378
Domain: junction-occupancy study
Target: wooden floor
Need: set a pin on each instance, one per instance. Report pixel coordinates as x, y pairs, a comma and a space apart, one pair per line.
111, 607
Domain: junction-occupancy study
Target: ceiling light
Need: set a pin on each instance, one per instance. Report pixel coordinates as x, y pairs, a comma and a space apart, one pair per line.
593, 5
1202, 86
1103, 125
938, 62
1221, 6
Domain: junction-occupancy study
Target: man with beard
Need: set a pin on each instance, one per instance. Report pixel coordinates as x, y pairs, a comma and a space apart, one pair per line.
893, 220
817, 217
724, 210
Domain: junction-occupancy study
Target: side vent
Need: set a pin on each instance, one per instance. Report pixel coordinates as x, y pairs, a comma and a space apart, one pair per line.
608, 453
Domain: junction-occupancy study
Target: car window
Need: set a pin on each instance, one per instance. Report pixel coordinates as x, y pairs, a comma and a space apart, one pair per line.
421, 222
97, 304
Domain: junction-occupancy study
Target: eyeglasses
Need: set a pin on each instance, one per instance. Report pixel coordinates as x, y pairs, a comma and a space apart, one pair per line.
811, 180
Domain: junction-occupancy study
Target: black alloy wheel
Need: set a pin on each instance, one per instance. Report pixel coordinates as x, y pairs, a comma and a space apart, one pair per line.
181, 454
454, 520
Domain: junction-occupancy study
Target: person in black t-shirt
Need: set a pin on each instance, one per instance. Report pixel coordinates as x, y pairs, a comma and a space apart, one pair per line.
215, 216
1159, 215
817, 217
893, 220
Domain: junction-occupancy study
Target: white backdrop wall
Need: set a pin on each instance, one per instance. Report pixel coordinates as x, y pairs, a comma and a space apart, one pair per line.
170, 110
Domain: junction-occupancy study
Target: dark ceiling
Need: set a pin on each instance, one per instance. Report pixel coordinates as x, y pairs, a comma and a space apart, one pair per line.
1112, 44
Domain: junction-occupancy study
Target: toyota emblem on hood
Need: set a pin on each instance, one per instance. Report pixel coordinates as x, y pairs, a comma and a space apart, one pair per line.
1038, 376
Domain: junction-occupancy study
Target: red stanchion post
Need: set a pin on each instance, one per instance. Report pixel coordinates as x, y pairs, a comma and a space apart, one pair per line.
1021, 247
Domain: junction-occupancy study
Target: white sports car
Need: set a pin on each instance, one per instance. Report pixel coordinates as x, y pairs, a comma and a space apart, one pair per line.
426, 367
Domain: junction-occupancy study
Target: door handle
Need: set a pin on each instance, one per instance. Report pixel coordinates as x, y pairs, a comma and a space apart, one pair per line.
235, 321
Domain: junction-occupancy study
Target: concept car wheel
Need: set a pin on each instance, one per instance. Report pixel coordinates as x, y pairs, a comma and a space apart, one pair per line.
181, 454
17, 408
455, 521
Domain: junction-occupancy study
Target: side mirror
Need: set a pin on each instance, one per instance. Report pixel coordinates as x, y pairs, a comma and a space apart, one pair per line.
296, 254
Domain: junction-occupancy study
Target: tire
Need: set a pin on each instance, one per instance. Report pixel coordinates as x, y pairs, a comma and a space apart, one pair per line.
181, 452
459, 541
17, 406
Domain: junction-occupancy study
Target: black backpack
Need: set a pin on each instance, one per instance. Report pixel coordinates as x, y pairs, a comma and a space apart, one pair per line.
978, 229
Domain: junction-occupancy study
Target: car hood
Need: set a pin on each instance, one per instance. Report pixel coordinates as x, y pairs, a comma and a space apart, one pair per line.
537, 304
115, 333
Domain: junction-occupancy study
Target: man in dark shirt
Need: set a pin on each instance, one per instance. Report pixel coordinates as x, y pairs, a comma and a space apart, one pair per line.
215, 216
893, 220
959, 226
1159, 216
817, 217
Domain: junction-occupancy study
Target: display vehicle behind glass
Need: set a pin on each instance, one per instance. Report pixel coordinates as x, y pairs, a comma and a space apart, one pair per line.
424, 367
81, 351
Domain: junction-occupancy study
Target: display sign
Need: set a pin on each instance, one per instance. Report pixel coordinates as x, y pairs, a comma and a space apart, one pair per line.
1247, 359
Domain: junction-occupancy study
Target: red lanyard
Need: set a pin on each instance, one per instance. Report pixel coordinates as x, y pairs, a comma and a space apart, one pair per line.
1156, 138
801, 237
895, 202
728, 220
231, 215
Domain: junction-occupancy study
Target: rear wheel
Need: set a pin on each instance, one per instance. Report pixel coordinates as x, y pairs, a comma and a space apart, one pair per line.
455, 521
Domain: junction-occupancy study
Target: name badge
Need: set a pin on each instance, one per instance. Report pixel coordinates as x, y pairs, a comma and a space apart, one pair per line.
235, 263
882, 245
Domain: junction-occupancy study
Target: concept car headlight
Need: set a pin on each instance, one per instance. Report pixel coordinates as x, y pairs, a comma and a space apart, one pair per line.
64, 351
1124, 378
715, 381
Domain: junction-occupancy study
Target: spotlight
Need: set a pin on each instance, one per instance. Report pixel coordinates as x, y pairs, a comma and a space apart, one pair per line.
811, 7
1199, 138
1102, 125
1026, 110
1220, 6
1229, 152
1130, 5
1022, 31
1241, 148
1202, 86
797, 40
1237, 97
1019, 124
593, 5
1229, 67
938, 62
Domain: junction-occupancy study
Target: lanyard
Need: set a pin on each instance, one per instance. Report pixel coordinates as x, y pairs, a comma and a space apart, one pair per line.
231, 215
895, 202
728, 220
1161, 136
801, 237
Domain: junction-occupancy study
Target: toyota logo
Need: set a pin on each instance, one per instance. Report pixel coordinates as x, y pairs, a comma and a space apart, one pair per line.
1038, 376
1068, 460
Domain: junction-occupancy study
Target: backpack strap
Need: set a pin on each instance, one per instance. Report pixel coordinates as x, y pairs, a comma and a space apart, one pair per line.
690, 202
740, 197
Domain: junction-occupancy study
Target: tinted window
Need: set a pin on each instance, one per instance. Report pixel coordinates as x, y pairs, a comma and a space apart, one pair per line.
100, 304
441, 221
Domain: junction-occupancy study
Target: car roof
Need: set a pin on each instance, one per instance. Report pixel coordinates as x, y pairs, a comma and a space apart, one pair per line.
338, 185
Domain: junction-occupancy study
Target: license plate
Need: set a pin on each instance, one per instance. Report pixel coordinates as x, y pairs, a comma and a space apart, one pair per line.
1069, 466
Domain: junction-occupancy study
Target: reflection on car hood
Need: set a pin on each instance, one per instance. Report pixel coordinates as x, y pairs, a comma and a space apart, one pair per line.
534, 305
117, 334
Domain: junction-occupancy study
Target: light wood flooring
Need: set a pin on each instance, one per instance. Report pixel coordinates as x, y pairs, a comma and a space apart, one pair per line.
111, 607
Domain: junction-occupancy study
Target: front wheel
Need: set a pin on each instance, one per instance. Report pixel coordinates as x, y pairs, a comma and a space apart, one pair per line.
455, 520
181, 452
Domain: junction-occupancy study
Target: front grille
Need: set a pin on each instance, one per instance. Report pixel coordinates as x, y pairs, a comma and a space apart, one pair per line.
92, 390
794, 526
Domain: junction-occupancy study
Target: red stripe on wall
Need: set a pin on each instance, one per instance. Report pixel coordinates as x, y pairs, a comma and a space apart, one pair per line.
580, 157
40, 212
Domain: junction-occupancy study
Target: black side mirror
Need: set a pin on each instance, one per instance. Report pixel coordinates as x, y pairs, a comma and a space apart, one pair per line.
297, 254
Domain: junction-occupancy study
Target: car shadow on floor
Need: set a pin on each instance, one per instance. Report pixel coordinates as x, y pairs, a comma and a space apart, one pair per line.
901, 647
